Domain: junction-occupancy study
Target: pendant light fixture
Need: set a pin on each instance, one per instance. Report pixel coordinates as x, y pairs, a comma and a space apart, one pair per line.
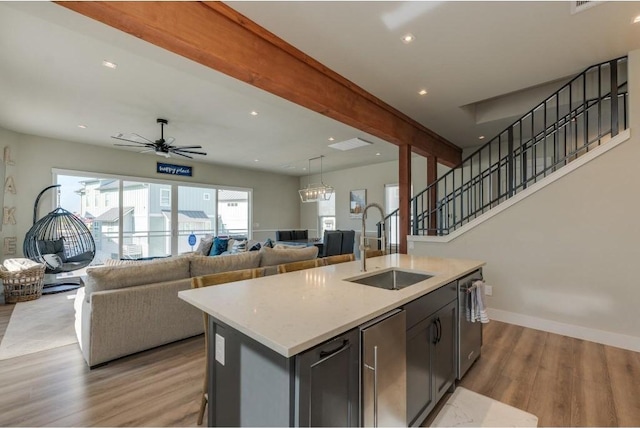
315, 192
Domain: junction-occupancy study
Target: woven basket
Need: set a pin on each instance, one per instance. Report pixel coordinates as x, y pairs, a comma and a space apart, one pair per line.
22, 285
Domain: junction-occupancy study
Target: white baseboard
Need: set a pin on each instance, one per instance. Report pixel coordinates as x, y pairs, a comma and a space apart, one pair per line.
631, 343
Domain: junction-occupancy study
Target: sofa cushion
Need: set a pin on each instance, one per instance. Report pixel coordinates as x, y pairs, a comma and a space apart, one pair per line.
113, 277
219, 246
272, 256
202, 265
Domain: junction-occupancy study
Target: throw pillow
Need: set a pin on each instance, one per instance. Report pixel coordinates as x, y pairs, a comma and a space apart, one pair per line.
52, 261
219, 246
255, 247
239, 246
268, 243
52, 247
204, 247
15, 265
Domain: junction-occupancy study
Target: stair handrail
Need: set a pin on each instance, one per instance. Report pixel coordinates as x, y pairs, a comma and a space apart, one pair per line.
532, 141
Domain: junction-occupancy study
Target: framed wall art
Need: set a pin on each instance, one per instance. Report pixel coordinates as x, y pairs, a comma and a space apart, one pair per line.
357, 202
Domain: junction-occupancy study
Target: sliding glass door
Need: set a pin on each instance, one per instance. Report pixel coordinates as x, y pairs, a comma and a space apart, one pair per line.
134, 219
196, 215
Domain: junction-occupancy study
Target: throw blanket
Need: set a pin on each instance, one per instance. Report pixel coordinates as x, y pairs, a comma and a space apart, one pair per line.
475, 306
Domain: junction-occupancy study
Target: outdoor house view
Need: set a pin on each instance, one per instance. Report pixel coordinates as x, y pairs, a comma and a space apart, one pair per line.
133, 219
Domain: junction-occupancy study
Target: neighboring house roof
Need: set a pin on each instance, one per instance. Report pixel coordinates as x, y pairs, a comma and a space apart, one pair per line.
225, 195
187, 215
88, 215
109, 184
112, 214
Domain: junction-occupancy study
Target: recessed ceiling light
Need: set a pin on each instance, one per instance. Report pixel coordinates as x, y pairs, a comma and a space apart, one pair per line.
377, 154
109, 64
636, 19
254, 113
408, 38
256, 160
331, 139
422, 92
82, 126
481, 137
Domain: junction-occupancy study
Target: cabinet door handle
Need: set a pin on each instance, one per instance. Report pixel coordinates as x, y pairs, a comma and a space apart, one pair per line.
438, 329
434, 324
375, 387
324, 354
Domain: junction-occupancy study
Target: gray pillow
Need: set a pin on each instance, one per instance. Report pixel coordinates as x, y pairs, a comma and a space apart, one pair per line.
205, 245
272, 257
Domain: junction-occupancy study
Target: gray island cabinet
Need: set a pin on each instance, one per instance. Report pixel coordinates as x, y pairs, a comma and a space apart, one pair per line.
287, 350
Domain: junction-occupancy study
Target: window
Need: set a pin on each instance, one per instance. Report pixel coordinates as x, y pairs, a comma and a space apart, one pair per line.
196, 215
165, 197
233, 212
327, 214
392, 203
133, 218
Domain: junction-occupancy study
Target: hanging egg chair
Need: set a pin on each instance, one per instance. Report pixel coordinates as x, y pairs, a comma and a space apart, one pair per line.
60, 240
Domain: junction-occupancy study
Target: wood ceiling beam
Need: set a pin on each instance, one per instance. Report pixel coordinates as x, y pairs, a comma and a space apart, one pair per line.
214, 35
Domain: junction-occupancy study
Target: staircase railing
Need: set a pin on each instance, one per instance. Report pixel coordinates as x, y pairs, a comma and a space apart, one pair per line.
585, 113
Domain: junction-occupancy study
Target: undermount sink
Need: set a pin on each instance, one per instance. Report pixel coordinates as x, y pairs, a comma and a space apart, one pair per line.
391, 279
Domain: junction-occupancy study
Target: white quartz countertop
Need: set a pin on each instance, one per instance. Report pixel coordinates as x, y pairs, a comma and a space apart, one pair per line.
295, 311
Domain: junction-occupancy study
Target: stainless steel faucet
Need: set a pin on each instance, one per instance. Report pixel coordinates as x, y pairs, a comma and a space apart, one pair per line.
382, 239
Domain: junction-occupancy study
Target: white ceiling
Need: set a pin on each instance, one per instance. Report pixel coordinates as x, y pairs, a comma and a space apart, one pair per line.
465, 53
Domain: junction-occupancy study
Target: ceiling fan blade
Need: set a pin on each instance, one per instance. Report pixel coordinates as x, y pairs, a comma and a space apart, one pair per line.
169, 141
142, 138
122, 137
126, 145
148, 150
188, 151
187, 147
180, 154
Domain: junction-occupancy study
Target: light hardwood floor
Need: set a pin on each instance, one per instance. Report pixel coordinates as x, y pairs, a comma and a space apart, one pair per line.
563, 381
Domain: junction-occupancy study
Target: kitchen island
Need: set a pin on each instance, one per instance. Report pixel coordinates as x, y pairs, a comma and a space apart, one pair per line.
262, 330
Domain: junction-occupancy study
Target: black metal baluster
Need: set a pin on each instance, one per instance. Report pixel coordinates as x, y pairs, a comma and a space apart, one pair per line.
614, 98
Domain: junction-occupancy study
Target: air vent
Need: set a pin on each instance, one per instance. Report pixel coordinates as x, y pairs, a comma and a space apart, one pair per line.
351, 144
581, 6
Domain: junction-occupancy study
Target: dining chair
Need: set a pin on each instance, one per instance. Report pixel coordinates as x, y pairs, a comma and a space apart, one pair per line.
207, 281
375, 253
342, 258
304, 264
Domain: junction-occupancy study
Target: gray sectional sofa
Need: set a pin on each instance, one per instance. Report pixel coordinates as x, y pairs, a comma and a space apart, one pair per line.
134, 307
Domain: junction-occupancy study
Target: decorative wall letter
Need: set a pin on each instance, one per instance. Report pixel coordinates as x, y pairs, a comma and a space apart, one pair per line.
10, 185
10, 245
9, 215
7, 156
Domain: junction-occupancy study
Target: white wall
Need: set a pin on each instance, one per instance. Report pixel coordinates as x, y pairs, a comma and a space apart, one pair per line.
565, 258
373, 178
275, 200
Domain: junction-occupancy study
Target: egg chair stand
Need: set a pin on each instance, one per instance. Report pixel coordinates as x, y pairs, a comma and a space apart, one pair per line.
62, 242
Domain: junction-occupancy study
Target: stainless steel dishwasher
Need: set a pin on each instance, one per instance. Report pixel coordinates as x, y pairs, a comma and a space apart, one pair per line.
469, 333
384, 371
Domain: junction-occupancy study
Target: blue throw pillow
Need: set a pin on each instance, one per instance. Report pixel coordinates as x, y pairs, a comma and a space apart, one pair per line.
219, 246
268, 243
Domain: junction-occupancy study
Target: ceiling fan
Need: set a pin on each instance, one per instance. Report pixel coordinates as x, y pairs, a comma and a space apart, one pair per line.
161, 147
